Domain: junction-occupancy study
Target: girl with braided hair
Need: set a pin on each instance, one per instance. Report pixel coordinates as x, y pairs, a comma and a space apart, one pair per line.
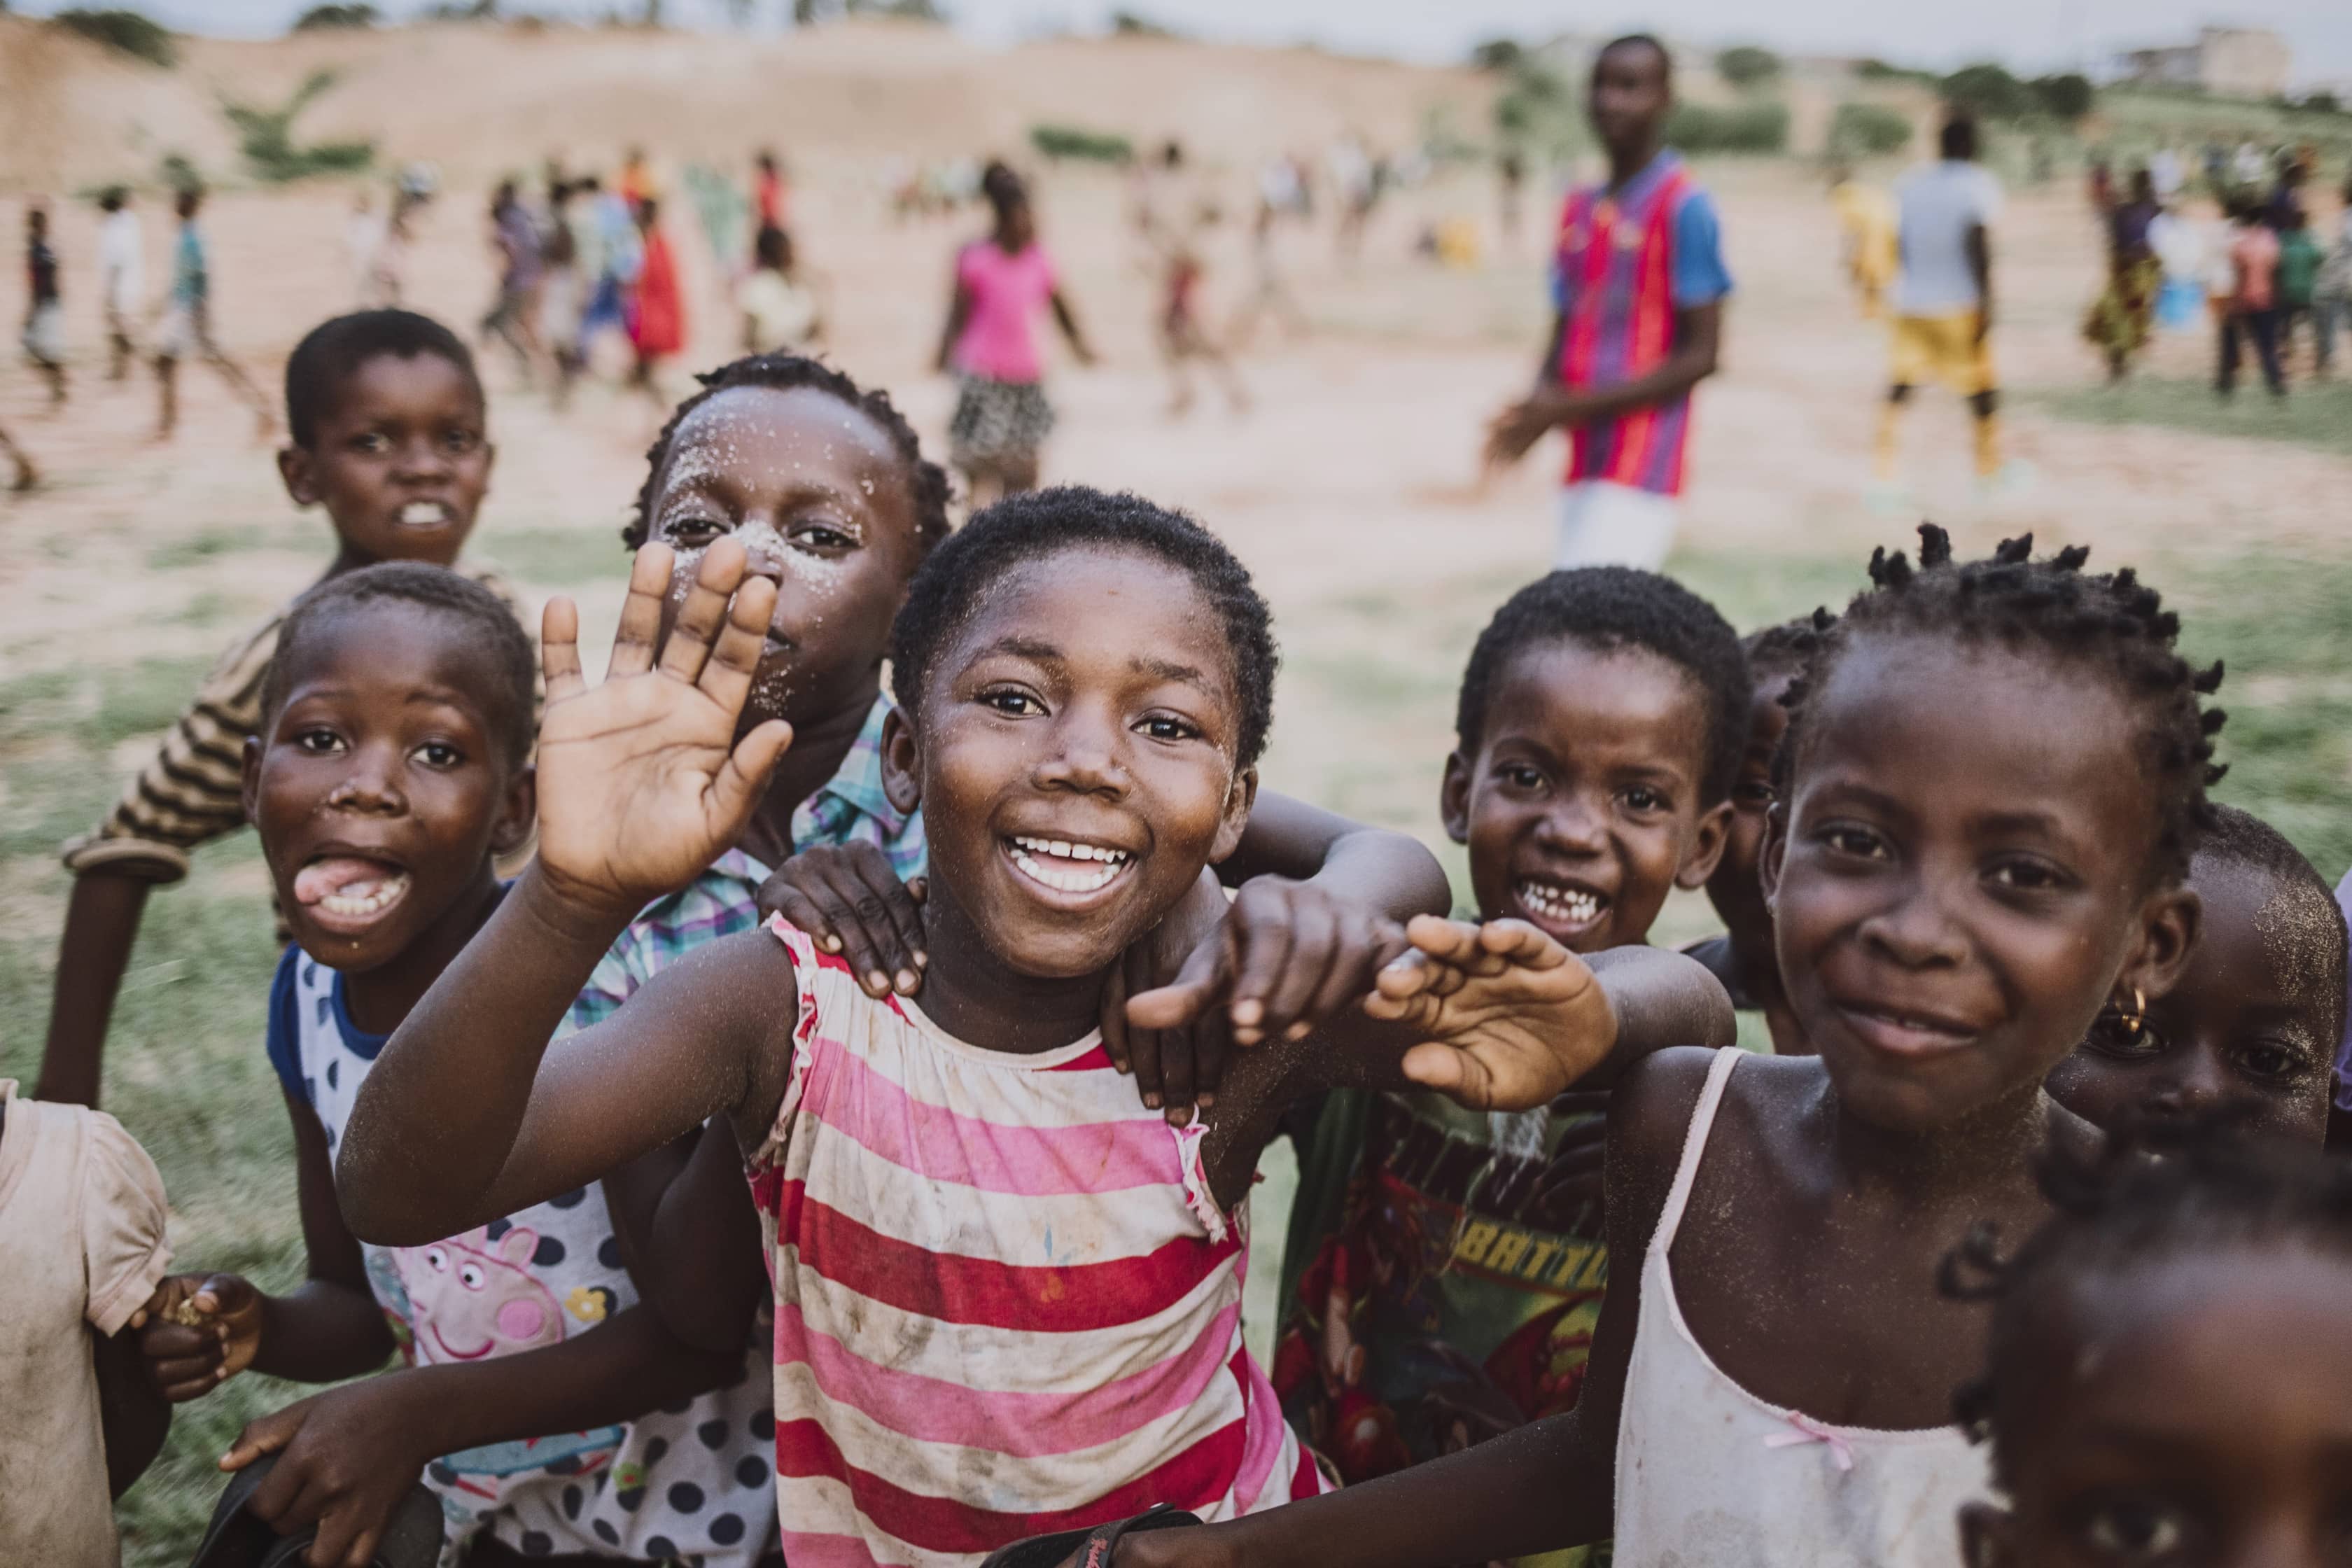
1993, 778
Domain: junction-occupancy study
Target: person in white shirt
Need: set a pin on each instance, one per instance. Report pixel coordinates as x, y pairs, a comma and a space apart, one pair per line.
122, 277
2331, 299
1944, 298
2163, 169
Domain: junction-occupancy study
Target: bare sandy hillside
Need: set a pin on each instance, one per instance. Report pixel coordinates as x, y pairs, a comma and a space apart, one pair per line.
478, 99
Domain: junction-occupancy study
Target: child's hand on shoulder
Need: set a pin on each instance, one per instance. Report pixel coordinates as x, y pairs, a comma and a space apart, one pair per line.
346, 1458
850, 902
642, 781
1279, 962
1509, 1017
198, 1331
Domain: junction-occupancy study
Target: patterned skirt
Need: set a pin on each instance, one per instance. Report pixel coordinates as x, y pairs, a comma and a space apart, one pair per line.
998, 421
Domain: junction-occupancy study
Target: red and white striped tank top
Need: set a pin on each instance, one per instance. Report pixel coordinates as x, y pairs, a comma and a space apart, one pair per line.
1005, 1301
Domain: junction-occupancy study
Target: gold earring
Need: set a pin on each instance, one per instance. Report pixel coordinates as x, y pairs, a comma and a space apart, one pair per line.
2135, 1019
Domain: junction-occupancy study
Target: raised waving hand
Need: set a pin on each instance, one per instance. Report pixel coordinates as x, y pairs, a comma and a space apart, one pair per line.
1509, 1017
642, 780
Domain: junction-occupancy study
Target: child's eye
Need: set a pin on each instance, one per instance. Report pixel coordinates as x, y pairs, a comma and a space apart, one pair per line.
1755, 792
375, 443
2110, 1037
1845, 839
1167, 726
1519, 775
2134, 1530
439, 755
1641, 797
458, 443
824, 537
318, 742
2272, 1060
692, 531
2028, 876
1015, 704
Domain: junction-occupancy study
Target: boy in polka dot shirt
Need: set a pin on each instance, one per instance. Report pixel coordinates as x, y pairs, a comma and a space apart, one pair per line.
551, 1414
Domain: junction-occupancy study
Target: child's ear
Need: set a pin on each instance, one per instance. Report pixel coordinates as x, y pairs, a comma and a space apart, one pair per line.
248, 790
1707, 842
298, 473
2170, 923
1453, 798
517, 812
1988, 1536
902, 761
1767, 859
1239, 800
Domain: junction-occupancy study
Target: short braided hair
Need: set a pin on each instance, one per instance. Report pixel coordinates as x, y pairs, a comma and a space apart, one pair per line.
331, 353
2157, 1192
2245, 839
927, 482
2109, 622
1610, 607
499, 653
950, 585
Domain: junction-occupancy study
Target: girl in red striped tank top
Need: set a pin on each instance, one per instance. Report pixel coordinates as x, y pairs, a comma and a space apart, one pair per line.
1006, 1291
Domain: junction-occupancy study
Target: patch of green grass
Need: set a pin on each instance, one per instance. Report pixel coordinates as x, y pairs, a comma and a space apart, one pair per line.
179, 553
2313, 414
558, 557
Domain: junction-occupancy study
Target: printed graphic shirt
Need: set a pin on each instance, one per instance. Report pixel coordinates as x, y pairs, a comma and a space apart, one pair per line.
689, 1480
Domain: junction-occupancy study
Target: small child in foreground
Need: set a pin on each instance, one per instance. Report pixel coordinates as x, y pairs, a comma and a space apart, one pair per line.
392, 770
82, 1250
1451, 1292
2252, 1030
1743, 958
2169, 1378
387, 431
1007, 1292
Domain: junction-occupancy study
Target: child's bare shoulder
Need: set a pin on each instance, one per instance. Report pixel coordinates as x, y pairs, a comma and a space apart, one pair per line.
1652, 1110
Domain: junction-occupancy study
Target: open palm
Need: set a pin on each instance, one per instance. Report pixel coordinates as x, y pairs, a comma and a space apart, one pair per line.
1508, 1016
641, 783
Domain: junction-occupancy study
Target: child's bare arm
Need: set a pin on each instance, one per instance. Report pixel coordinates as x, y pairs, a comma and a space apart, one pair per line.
348, 1456
1545, 1486
694, 1251
206, 1329
958, 313
133, 1415
1064, 317
101, 925
641, 783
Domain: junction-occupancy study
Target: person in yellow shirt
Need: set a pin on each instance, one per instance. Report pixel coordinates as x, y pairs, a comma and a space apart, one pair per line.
1867, 225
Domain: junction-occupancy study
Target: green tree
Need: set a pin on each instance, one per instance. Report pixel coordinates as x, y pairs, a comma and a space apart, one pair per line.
2068, 97
1991, 92
1497, 54
1747, 66
322, 18
132, 32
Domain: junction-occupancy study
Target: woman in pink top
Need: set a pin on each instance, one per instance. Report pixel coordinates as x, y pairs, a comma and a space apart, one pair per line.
1002, 416
2254, 314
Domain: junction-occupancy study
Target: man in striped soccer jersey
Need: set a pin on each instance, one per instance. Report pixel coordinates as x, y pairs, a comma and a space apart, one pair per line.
1638, 285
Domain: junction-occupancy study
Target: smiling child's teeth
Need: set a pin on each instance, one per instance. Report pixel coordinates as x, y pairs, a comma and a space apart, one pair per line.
366, 898
422, 512
1033, 857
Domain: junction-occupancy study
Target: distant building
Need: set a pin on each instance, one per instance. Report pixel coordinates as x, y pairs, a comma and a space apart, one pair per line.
2235, 62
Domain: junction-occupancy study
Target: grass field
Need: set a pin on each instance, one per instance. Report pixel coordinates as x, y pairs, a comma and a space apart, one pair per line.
2313, 415
186, 1068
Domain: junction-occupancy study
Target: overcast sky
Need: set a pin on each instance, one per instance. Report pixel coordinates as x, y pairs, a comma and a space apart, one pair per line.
2037, 34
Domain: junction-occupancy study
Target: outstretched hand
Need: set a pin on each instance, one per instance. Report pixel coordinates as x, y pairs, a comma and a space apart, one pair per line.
1509, 1017
198, 1331
642, 781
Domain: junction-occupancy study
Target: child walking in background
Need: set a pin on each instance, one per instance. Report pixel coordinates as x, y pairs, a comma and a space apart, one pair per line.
1446, 1264
2250, 1031
387, 428
45, 312
2167, 1378
779, 310
657, 308
81, 1248
1183, 336
2299, 260
513, 315
2250, 313
187, 329
121, 277
982, 1241
1959, 888
551, 1414
989, 344
1638, 286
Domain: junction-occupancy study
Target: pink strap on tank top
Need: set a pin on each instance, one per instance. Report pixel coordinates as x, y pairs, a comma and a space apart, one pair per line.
1670, 1218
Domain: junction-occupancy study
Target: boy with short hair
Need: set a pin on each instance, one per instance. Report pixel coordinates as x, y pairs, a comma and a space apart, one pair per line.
387, 426
550, 1414
187, 328
1638, 286
1602, 720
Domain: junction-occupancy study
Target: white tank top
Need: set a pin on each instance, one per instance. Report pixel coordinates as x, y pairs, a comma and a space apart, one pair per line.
1709, 1474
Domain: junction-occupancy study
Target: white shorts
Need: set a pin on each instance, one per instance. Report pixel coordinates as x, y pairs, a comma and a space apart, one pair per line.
45, 335
1603, 523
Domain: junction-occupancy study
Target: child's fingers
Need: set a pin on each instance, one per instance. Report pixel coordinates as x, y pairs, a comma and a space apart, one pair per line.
1521, 944
1444, 1069
734, 662
641, 613
1112, 1020
738, 786
1204, 977
1371, 949
1454, 943
868, 939
559, 649
887, 908
1261, 956
265, 1435
1314, 938
705, 612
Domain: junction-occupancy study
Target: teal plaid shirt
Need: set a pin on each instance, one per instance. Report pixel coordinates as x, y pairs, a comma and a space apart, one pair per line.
848, 809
